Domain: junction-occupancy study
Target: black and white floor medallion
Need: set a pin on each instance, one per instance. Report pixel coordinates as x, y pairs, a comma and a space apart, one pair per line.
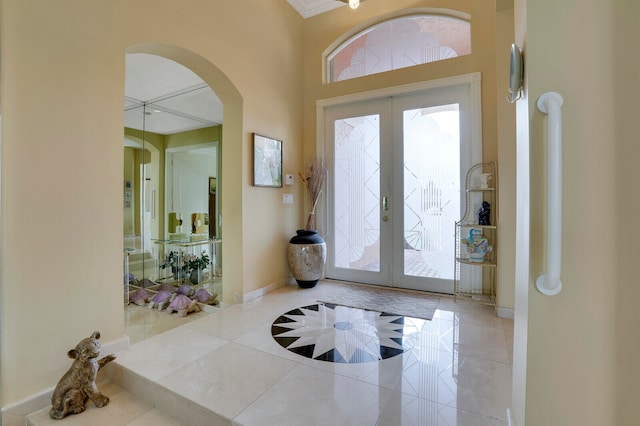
340, 334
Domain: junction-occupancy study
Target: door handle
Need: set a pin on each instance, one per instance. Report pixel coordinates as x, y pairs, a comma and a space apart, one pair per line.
385, 208
385, 204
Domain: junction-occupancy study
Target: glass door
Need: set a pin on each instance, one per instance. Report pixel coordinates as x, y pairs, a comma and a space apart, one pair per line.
395, 188
358, 190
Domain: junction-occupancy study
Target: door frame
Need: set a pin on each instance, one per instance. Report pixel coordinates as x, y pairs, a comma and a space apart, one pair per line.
471, 82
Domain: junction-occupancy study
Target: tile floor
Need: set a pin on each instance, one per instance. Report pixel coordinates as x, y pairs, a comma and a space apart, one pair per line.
455, 371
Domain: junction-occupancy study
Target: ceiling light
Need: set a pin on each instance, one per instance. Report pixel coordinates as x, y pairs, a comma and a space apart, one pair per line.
353, 4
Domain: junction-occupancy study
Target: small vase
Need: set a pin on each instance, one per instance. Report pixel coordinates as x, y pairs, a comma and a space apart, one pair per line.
307, 254
179, 274
196, 276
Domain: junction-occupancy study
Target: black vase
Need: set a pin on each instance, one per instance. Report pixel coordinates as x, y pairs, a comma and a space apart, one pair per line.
307, 253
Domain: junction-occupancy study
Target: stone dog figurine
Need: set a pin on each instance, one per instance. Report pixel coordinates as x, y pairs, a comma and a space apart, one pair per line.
79, 383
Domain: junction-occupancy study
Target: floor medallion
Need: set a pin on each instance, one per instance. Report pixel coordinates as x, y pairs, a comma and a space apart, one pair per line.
340, 334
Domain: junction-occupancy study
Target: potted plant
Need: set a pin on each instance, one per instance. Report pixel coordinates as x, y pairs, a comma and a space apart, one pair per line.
185, 265
196, 265
175, 261
307, 250
314, 180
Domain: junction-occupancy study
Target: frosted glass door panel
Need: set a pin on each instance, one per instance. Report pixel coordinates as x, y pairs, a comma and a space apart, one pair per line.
357, 193
395, 167
431, 160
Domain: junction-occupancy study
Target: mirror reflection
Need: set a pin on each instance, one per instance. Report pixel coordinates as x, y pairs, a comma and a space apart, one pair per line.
171, 187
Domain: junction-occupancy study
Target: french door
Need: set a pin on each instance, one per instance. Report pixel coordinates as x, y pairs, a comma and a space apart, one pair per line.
396, 165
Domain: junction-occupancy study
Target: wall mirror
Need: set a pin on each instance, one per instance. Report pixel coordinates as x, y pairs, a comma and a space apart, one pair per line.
172, 150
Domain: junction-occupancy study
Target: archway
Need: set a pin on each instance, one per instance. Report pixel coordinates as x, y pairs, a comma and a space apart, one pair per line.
231, 153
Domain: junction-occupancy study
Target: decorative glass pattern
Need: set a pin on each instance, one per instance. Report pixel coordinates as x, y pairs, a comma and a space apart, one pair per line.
357, 193
431, 189
400, 43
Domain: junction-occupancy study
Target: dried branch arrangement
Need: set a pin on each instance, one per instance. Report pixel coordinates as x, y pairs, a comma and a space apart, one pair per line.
314, 179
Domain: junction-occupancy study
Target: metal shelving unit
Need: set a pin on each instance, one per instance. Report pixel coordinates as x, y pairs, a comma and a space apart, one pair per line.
475, 195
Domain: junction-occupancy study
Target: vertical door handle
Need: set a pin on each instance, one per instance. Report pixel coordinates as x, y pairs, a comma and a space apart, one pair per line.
153, 203
385, 208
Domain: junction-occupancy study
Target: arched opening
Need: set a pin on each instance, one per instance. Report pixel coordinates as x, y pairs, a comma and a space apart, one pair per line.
399, 42
201, 143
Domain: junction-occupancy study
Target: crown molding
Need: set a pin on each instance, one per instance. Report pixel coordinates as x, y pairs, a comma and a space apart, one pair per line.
309, 8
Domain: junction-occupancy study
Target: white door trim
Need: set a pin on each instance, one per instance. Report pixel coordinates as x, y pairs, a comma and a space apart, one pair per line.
471, 83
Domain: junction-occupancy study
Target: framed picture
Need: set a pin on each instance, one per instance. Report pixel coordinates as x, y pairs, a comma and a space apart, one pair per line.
267, 161
213, 182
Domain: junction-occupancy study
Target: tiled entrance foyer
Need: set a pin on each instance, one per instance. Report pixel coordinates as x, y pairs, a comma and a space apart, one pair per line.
226, 368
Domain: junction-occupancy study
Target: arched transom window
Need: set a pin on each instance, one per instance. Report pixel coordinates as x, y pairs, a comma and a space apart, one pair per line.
399, 43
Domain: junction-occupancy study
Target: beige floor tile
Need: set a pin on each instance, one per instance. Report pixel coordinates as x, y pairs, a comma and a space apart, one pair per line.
155, 418
320, 398
456, 372
406, 410
158, 356
229, 379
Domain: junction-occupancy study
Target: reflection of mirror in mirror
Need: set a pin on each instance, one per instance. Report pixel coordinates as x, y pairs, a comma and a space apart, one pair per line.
187, 192
172, 127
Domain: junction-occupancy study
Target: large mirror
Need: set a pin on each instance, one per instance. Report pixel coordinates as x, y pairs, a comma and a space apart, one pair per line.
171, 189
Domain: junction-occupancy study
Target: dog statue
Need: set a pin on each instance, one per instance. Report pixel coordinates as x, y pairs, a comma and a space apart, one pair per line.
79, 383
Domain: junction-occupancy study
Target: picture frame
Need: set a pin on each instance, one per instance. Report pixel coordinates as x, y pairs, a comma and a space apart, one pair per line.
213, 185
267, 161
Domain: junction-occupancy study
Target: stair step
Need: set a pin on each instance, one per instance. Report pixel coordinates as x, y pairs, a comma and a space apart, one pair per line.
123, 409
134, 401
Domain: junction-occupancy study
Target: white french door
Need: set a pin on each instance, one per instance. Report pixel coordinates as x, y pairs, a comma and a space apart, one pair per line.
396, 166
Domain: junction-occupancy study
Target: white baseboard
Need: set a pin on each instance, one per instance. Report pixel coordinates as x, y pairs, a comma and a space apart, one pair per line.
14, 414
253, 295
505, 312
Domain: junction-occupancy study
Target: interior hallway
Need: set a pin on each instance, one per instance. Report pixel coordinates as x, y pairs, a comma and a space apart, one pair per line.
455, 370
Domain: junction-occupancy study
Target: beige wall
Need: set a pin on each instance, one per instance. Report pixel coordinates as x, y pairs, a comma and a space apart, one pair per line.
626, 89
193, 137
581, 345
153, 154
63, 68
128, 219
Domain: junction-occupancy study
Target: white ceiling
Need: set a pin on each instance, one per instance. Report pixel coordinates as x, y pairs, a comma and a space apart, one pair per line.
168, 95
172, 98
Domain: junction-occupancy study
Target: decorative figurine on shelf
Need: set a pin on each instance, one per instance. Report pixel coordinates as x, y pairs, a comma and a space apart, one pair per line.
476, 246
484, 214
79, 383
484, 180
